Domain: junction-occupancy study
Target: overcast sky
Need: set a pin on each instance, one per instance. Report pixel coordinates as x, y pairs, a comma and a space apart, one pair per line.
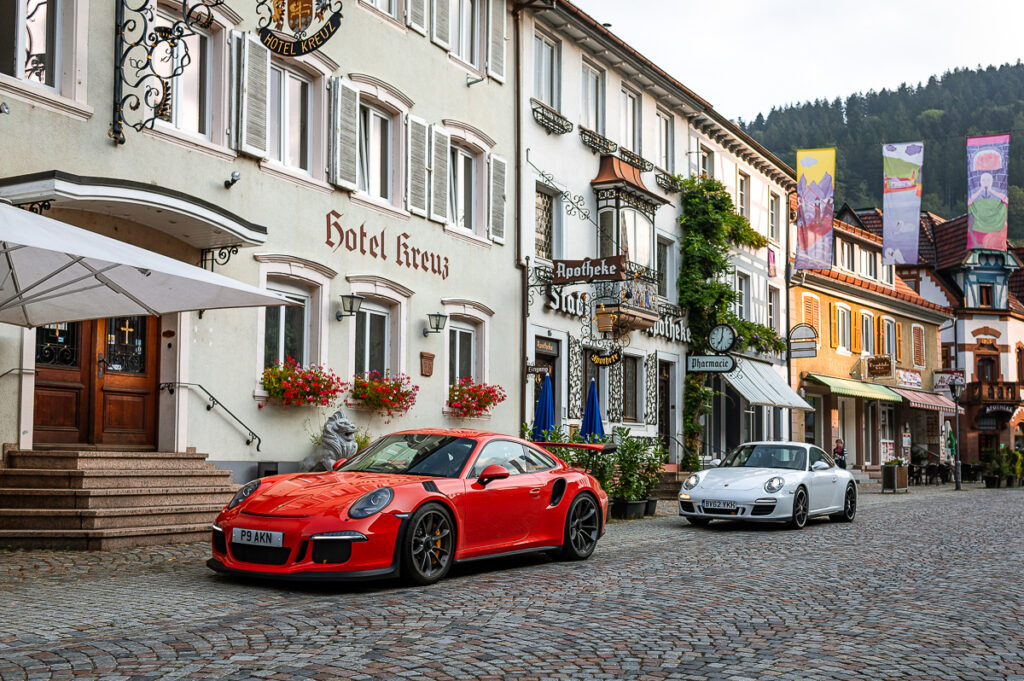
741, 54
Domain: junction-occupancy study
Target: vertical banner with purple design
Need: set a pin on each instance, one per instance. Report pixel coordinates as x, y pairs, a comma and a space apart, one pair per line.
814, 208
901, 202
988, 180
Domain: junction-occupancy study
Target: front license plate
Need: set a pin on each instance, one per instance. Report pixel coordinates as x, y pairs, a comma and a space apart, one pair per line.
240, 535
724, 505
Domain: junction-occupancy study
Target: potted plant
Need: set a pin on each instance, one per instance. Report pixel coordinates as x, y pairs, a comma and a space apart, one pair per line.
628, 495
467, 399
654, 460
996, 467
894, 476
1018, 467
289, 384
385, 394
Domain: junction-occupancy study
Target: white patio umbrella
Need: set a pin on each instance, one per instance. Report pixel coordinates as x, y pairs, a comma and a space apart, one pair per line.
52, 272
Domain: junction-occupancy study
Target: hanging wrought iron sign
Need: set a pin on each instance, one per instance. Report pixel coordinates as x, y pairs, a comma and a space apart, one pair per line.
299, 16
606, 360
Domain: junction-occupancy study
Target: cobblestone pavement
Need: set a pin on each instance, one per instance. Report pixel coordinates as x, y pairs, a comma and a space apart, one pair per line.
922, 586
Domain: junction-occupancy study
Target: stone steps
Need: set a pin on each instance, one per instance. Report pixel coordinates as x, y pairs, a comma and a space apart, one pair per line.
106, 518
105, 539
89, 460
39, 478
114, 498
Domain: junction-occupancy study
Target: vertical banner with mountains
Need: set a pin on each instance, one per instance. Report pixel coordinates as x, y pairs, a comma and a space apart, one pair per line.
901, 202
815, 205
988, 180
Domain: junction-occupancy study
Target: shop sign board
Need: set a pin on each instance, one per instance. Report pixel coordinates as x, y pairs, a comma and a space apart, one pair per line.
539, 370
908, 378
943, 377
301, 36
879, 366
1000, 408
546, 346
606, 360
803, 341
611, 268
710, 364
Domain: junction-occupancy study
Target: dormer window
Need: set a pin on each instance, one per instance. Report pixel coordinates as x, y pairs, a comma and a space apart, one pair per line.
868, 264
985, 295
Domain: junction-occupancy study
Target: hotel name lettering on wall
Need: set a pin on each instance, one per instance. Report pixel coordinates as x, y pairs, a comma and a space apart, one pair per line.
279, 18
375, 245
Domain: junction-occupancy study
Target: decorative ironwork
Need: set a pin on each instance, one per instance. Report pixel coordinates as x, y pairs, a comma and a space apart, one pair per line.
300, 16
615, 392
537, 276
212, 402
574, 205
575, 378
631, 199
651, 389
147, 59
668, 183
669, 310
39, 18
598, 143
635, 160
209, 257
57, 344
36, 207
125, 351
550, 120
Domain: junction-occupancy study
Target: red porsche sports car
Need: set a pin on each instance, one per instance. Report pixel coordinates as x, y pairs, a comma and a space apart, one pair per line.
411, 504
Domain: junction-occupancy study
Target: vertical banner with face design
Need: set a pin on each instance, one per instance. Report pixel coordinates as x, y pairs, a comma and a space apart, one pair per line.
988, 180
815, 169
901, 202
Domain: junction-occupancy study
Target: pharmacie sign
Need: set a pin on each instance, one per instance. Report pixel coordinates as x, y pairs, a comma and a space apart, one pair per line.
293, 28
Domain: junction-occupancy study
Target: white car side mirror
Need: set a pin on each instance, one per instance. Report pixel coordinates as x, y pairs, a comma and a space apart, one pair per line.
819, 466
714, 463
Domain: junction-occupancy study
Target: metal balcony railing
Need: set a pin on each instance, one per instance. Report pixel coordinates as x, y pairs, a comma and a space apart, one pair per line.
549, 119
598, 143
635, 160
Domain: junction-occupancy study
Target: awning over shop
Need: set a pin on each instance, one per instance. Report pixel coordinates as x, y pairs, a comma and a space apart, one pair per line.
758, 383
922, 400
851, 388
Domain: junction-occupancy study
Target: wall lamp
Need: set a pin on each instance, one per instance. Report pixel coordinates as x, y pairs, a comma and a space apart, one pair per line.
4, 109
435, 323
350, 304
235, 177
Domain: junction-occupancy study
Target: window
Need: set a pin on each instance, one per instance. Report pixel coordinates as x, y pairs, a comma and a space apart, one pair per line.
812, 313
707, 162
773, 217
591, 372
30, 33
844, 320
888, 273
743, 195
545, 70
889, 327
629, 119
666, 271
634, 237
947, 357
389, 7
186, 99
461, 351
819, 455
1020, 365
742, 305
462, 187
867, 333
985, 295
810, 420
631, 388
466, 31
290, 104
592, 106
372, 339
665, 142
868, 264
988, 369
375, 152
544, 226
849, 256
773, 308
286, 328
514, 457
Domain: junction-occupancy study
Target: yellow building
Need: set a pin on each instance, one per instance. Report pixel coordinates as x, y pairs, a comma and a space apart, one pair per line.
878, 345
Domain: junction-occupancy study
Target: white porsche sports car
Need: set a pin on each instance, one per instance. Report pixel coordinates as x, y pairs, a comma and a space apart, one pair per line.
772, 481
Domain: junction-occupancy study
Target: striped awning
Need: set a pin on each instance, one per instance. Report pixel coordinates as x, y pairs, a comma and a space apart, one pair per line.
760, 385
851, 388
924, 400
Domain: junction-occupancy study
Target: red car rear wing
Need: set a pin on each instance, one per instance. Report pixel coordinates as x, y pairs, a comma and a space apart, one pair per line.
605, 447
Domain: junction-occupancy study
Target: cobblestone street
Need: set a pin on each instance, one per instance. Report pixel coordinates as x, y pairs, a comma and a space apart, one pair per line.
921, 586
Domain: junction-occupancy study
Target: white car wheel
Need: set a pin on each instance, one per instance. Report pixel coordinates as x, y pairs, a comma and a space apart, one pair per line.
799, 517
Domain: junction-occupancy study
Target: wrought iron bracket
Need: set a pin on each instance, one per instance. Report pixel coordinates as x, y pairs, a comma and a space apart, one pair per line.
574, 205
635, 160
209, 257
147, 59
550, 120
36, 207
598, 143
668, 183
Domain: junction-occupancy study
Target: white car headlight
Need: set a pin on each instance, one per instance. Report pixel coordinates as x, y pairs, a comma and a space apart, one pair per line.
774, 484
691, 481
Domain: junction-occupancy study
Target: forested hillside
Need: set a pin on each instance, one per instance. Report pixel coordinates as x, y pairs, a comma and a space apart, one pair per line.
942, 112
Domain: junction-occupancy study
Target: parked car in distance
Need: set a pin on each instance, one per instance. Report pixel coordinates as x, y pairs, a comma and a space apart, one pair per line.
411, 504
770, 481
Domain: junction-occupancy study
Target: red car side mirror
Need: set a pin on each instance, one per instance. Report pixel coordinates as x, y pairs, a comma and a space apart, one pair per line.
338, 464
492, 472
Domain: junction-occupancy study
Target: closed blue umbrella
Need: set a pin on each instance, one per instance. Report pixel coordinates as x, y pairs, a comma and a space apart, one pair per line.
544, 416
591, 425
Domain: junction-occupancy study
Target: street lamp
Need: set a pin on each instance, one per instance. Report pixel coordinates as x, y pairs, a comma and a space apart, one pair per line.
956, 387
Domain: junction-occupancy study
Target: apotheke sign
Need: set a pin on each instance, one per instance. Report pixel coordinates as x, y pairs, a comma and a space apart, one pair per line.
612, 268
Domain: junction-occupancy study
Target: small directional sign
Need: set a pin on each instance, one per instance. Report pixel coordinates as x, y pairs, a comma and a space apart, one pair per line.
803, 341
808, 352
710, 364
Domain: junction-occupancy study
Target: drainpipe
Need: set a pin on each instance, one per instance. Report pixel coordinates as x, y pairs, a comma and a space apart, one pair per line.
524, 300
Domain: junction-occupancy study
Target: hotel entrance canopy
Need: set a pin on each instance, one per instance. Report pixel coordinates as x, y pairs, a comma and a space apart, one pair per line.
758, 383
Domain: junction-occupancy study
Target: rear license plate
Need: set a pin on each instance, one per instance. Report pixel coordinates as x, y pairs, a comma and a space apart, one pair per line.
716, 503
240, 535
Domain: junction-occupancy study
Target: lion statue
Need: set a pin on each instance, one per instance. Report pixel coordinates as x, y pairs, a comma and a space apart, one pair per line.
337, 442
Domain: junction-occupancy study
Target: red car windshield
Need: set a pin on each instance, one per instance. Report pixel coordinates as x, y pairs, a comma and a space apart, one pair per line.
442, 456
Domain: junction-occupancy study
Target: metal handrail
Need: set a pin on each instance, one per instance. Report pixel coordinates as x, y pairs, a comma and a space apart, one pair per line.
18, 370
214, 402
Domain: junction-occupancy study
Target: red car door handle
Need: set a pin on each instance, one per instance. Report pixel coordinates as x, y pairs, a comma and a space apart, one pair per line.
535, 492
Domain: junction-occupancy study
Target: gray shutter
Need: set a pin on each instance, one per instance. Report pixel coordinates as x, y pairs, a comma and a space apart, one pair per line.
440, 152
496, 40
440, 24
416, 15
253, 95
416, 193
576, 375
344, 135
651, 389
496, 204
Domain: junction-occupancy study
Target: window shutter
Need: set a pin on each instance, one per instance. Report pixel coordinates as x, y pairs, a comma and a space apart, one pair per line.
440, 24
899, 341
833, 324
416, 166
496, 40
252, 88
416, 15
879, 336
855, 340
344, 135
496, 203
809, 312
440, 152
918, 345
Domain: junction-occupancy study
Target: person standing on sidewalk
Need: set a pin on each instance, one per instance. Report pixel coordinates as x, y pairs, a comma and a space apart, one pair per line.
839, 454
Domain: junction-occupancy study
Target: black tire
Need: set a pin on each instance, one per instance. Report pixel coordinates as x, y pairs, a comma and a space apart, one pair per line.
799, 517
582, 528
428, 546
699, 522
849, 511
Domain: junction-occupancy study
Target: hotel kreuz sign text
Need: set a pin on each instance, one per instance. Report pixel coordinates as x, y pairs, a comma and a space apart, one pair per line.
300, 15
375, 245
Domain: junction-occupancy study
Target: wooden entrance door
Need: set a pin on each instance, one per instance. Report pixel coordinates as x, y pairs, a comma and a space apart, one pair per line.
96, 382
665, 402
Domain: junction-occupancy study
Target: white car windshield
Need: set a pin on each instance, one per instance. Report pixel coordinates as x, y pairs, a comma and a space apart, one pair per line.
766, 456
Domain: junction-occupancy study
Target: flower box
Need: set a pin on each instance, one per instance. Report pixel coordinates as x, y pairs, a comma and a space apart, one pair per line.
387, 395
467, 399
894, 478
288, 384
